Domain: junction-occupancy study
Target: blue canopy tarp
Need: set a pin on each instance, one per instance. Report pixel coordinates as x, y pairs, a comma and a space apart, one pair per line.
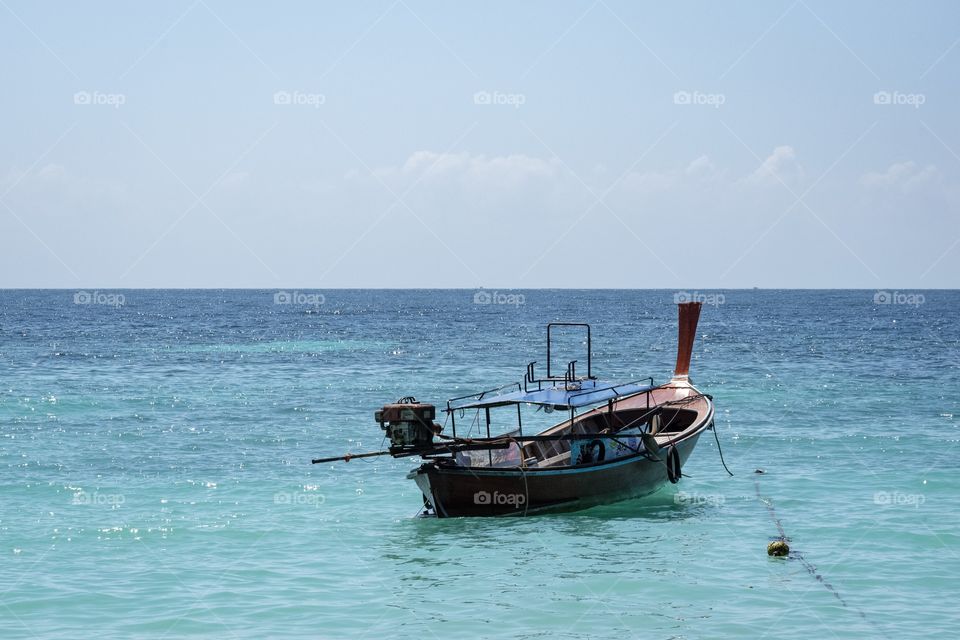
561, 395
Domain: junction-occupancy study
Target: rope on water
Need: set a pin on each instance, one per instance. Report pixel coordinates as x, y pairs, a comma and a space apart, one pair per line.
809, 566
719, 450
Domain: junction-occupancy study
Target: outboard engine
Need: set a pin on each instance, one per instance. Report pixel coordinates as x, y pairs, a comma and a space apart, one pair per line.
409, 424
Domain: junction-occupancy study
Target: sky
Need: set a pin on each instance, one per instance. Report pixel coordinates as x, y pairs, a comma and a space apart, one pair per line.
400, 143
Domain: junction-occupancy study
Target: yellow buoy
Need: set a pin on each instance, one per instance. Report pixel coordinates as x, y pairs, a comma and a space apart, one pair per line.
778, 548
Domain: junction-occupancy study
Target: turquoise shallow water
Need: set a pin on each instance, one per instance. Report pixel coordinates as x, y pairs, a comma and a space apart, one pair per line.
155, 475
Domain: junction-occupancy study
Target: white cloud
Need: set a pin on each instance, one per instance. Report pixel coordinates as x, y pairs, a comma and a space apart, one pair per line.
701, 175
647, 182
699, 171
43, 175
476, 170
779, 167
905, 176
700, 166
51, 172
508, 174
57, 182
498, 186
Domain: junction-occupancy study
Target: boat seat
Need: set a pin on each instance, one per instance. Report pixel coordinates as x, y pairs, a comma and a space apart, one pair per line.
559, 460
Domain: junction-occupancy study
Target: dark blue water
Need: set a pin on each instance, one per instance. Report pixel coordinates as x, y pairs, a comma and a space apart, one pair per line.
156, 481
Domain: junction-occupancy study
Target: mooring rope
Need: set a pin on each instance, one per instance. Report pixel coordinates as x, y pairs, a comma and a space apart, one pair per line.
809, 566
713, 426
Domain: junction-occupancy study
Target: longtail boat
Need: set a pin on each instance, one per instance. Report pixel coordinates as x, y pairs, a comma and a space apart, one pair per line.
618, 440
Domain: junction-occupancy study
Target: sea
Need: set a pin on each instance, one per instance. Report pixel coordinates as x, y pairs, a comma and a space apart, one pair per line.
156, 476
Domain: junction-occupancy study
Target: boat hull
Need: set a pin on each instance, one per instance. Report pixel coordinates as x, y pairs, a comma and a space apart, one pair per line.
456, 491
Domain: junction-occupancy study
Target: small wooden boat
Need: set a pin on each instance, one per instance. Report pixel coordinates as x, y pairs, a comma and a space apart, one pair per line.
619, 440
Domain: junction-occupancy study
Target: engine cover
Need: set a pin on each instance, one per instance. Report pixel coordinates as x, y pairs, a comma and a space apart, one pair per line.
408, 423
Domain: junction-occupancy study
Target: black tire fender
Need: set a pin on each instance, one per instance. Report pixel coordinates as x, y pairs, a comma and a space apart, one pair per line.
673, 465
602, 452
